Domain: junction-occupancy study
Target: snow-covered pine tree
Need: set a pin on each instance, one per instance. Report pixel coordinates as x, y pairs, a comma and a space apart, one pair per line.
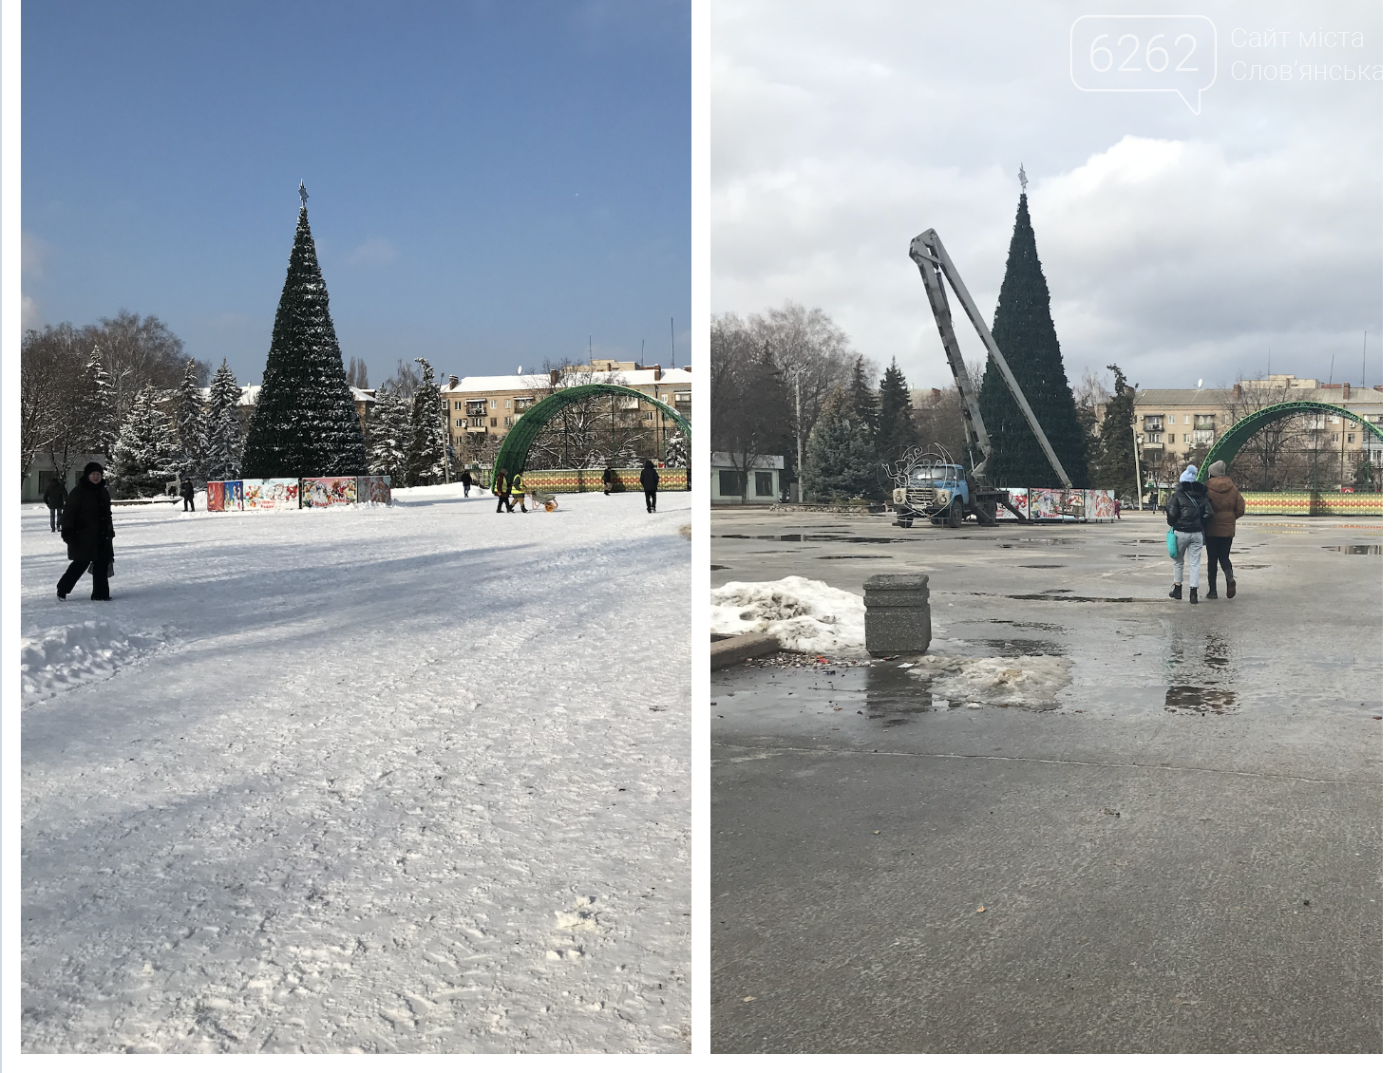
425, 464
677, 450
389, 435
191, 427
305, 423
224, 455
147, 452
101, 405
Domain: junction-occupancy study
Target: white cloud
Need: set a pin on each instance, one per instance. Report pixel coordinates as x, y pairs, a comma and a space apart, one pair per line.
33, 254
29, 314
374, 252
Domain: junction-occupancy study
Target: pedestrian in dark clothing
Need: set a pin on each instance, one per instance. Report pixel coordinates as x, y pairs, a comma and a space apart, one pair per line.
609, 476
87, 530
187, 493
1152, 500
1189, 511
502, 490
1220, 533
54, 495
467, 482
651, 480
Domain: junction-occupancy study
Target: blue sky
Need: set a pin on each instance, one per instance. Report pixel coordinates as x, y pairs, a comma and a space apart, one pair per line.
490, 183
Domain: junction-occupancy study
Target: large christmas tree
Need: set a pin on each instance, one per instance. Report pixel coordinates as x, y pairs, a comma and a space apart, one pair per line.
305, 423
1026, 335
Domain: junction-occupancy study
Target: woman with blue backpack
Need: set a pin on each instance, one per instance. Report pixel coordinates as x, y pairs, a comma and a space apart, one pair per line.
1189, 511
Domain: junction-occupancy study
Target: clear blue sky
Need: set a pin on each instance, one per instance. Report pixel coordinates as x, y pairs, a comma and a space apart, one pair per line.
490, 183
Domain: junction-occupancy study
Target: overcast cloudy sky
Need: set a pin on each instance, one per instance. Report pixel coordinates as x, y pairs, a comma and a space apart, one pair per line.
1180, 246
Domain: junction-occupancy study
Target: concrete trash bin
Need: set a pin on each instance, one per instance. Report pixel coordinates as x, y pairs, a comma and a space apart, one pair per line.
897, 614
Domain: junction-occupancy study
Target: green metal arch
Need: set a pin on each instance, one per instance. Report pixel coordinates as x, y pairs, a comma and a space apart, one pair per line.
1238, 434
515, 448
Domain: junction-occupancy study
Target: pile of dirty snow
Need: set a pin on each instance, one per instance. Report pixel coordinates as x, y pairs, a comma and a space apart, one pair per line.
801, 614
1019, 681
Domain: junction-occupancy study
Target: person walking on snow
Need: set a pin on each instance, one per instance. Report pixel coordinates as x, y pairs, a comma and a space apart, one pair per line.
187, 493
87, 530
54, 495
609, 476
466, 483
651, 480
1189, 511
1220, 531
517, 491
502, 490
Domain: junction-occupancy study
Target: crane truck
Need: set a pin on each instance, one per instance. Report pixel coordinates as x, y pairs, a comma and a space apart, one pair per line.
941, 491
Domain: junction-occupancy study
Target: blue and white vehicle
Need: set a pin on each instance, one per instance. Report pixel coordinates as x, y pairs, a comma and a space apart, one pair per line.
937, 491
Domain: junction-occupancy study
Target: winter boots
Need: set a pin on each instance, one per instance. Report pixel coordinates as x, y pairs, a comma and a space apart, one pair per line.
1211, 594
1193, 597
1230, 587
1175, 592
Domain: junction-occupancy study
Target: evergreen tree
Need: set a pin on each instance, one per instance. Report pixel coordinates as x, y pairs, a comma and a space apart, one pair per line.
100, 403
866, 405
840, 462
1025, 333
677, 450
1117, 466
896, 432
190, 425
305, 423
147, 452
224, 451
425, 464
389, 436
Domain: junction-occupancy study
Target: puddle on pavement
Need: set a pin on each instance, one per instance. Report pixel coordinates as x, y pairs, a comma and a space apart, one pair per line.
1354, 549
855, 556
814, 537
1069, 599
1037, 542
1199, 699
1048, 626
1020, 646
713, 567
1141, 540
1040, 566
1199, 673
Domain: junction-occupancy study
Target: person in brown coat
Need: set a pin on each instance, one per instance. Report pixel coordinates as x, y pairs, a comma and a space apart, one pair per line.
1220, 532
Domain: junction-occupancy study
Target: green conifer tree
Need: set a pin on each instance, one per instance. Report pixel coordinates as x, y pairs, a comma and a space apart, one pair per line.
389, 435
896, 432
147, 452
1025, 333
840, 462
224, 456
867, 405
425, 463
191, 425
1117, 468
305, 423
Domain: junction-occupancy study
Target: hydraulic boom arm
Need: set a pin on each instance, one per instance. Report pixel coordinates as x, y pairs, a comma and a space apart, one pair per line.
928, 253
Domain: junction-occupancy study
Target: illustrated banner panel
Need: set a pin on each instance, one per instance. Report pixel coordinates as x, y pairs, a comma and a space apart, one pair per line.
328, 491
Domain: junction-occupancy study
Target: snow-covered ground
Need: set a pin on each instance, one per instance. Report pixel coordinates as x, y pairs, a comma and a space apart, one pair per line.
389, 779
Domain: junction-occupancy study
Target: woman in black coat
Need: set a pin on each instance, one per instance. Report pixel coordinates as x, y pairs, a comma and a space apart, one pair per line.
87, 530
650, 481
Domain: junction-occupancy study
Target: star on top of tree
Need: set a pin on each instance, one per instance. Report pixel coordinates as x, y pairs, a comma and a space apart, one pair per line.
301, 192
1021, 176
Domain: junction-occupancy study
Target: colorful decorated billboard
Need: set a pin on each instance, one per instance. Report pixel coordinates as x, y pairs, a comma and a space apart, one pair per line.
328, 491
276, 493
224, 495
372, 489
1103, 504
1018, 499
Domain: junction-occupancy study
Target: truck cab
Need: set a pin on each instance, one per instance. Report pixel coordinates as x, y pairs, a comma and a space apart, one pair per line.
935, 490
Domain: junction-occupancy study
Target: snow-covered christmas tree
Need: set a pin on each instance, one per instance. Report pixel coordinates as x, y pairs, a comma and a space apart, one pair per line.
389, 435
677, 451
190, 426
426, 464
223, 458
305, 423
147, 452
101, 406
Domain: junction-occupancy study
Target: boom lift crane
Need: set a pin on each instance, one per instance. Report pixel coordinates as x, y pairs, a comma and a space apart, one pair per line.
927, 251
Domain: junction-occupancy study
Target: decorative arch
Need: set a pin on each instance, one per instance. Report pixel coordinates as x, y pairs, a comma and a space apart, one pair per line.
515, 448
1238, 434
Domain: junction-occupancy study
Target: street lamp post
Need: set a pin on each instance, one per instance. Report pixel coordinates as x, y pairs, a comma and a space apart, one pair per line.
1137, 466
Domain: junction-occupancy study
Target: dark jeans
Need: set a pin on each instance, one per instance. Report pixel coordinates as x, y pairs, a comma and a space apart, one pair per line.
651, 500
1218, 551
55, 513
75, 571
189, 503
503, 500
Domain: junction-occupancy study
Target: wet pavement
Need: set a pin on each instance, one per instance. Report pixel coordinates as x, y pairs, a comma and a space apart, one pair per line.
1183, 855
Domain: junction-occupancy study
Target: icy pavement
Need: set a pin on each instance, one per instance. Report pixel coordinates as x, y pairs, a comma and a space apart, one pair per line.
404, 779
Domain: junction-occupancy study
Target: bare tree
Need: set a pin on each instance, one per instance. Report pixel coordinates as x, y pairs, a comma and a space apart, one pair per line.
1270, 460
357, 373
139, 351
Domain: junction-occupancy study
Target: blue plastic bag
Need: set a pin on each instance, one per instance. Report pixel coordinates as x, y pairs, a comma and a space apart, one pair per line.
1171, 543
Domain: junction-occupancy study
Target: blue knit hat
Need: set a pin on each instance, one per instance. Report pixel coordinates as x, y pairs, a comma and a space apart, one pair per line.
1188, 475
